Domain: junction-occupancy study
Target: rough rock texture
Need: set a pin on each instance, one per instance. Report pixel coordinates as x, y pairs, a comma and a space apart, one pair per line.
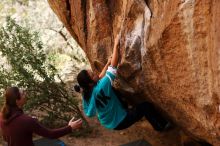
170, 53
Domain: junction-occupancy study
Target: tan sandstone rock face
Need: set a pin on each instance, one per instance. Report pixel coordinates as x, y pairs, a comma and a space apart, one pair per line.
169, 53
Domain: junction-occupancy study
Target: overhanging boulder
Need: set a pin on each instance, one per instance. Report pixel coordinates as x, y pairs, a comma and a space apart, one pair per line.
169, 53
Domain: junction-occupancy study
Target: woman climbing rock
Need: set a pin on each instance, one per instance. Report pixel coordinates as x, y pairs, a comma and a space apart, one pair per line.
99, 98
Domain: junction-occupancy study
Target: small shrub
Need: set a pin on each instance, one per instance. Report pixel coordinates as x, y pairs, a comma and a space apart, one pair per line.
29, 68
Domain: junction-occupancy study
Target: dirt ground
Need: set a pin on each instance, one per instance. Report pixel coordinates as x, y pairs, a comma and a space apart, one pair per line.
141, 130
101, 136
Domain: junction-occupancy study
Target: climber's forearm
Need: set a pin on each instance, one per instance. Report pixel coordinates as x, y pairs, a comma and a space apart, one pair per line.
104, 70
114, 61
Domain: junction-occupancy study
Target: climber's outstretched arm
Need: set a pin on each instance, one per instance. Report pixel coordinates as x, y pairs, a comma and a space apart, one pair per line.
102, 74
114, 61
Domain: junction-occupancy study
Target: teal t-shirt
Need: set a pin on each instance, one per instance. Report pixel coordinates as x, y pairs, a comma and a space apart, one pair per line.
105, 103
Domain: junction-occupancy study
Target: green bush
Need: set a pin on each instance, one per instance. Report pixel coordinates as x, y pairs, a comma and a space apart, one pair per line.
30, 69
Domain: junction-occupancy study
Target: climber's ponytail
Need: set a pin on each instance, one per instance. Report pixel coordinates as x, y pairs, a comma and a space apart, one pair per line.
77, 88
